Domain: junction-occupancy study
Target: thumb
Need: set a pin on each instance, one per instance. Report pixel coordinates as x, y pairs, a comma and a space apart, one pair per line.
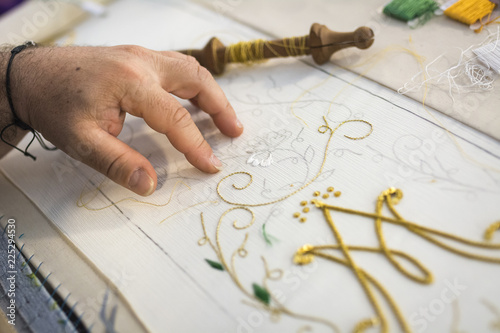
119, 162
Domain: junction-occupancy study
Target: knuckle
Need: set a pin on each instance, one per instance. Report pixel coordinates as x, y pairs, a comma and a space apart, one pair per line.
180, 118
114, 167
137, 88
129, 70
203, 74
200, 143
197, 146
192, 60
134, 50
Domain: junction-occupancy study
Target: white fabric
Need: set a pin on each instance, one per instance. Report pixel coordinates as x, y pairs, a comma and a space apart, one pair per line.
440, 36
172, 288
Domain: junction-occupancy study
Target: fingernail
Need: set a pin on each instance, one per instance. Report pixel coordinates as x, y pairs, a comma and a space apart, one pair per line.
239, 124
140, 182
216, 162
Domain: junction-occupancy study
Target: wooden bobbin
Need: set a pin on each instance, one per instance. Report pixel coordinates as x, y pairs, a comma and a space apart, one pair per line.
321, 44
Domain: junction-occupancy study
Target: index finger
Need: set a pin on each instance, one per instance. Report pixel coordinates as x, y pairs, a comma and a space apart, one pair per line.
187, 79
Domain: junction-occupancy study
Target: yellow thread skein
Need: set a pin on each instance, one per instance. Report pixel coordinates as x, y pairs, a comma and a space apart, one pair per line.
469, 11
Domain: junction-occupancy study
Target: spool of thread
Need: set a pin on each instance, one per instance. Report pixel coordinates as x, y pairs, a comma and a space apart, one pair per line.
468, 11
409, 10
489, 55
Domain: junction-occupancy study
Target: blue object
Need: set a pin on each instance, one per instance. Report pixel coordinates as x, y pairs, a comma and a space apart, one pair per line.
6, 5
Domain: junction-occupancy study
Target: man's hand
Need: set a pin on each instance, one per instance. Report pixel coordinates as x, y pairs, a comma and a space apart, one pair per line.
79, 96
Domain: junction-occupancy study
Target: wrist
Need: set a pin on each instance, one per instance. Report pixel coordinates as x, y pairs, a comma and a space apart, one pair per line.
10, 134
6, 116
20, 73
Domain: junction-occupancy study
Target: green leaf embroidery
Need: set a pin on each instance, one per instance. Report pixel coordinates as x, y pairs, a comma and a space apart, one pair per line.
261, 293
268, 238
215, 264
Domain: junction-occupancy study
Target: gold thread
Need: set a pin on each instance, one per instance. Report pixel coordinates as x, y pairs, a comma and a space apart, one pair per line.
81, 204
488, 234
322, 129
305, 329
390, 197
254, 51
455, 321
412, 225
183, 210
365, 324
488, 22
495, 324
361, 275
242, 252
274, 274
278, 273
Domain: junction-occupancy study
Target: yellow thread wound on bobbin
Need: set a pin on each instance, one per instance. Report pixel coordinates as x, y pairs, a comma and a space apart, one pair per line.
245, 52
253, 51
469, 11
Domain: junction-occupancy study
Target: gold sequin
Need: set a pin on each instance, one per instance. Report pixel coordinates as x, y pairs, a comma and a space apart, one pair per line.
316, 193
303, 203
330, 189
303, 219
296, 214
305, 210
337, 194
326, 196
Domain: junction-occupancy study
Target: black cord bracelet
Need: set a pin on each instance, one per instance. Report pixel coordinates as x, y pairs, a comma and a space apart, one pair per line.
17, 121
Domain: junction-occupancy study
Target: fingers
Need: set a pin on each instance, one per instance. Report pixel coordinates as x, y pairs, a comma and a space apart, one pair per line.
165, 114
186, 79
118, 161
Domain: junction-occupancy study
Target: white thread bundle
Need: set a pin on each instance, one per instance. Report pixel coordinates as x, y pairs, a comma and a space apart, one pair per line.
490, 55
476, 69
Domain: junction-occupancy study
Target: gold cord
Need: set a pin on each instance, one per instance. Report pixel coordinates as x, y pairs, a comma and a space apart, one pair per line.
488, 234
390, 197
